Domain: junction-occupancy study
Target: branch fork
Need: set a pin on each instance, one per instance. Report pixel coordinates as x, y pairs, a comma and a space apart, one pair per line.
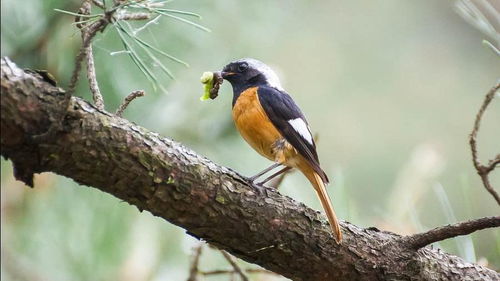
88, 32
484, 170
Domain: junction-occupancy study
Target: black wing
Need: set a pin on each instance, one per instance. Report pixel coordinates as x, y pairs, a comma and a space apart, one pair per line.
281, 109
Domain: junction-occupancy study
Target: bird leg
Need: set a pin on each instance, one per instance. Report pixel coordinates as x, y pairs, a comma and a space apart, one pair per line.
253, 178
274, 175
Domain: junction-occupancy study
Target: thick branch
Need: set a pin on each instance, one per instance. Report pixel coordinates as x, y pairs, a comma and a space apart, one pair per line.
211, 202
420, 240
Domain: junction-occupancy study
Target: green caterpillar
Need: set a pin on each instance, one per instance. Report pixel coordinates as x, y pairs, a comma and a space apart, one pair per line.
211, 82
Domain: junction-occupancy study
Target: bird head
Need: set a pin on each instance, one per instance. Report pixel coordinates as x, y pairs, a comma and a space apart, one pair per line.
250, 72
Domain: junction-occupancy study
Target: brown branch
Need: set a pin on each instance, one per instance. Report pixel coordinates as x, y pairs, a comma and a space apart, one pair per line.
237, 270
91, 76
483, 171
92, 30
195, 260
417, 241
249, 271
88, 54
128, 99
493, 163
96, 148
235, 266
88, 33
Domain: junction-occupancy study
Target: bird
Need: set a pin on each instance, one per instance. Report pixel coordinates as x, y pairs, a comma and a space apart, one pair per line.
272, 124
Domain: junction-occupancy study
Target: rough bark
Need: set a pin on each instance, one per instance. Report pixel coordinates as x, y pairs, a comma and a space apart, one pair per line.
211, 202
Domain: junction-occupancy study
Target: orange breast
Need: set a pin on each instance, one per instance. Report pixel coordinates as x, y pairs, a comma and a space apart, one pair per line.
254, 125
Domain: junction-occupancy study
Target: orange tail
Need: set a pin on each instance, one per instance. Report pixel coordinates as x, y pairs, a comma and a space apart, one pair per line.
319, 186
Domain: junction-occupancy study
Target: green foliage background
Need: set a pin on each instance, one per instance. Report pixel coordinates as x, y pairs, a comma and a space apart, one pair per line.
391, 88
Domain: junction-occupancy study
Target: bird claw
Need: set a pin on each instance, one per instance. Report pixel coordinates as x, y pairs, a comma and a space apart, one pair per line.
261, 188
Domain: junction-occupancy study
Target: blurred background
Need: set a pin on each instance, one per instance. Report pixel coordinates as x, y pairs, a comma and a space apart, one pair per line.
391, 88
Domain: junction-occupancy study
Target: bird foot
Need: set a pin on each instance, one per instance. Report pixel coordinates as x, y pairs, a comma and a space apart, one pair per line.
260, 187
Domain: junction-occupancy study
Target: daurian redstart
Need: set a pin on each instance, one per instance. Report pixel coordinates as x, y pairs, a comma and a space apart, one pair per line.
270, 121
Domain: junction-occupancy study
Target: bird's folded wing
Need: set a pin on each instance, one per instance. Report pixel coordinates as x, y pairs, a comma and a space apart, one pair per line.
287, 117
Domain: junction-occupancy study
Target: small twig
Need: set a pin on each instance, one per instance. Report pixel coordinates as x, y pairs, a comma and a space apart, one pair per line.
134, 16
76, 71
99, 4
90, 30
88, 33
91, 76
128, 99
193, 271
493, 163
417, 241
222, 271
483, 171
235, 266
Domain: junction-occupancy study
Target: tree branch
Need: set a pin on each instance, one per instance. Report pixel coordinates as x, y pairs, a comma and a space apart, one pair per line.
483, 171
91, 76
128, 100
222, 271
193, 271
90, 31
417, 241
211, 202
235, 266
86, 50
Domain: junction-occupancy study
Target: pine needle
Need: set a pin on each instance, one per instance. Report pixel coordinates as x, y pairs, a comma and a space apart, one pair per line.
136, 59
179, 12
147, 47
78, 15
182, 20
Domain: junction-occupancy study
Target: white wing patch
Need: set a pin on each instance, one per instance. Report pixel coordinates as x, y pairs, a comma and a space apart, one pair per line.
301, 127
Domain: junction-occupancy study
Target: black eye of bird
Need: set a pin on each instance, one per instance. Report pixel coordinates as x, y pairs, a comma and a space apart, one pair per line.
242, 67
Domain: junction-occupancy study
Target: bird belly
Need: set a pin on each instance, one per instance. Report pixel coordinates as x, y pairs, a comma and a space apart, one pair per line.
256, 128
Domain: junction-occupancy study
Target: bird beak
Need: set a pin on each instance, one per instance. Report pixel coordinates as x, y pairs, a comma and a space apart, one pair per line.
225, 74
